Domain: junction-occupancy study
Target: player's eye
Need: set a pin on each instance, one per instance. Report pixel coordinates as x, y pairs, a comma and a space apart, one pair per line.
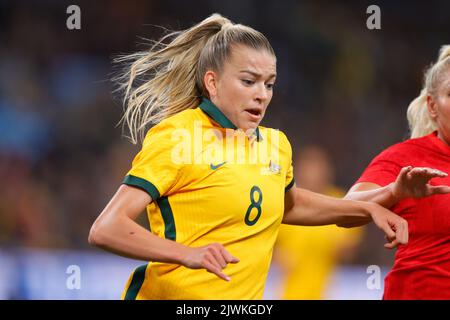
248, 82
270, 86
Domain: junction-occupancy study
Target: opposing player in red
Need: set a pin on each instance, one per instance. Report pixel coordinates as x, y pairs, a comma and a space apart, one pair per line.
411, 179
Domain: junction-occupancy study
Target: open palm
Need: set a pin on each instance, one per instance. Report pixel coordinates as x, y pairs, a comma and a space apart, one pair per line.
414, 183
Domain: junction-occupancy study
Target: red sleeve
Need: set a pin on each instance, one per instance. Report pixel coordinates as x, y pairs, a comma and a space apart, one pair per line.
385, 168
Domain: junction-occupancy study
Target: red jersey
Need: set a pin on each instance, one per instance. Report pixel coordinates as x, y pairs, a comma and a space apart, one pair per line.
422, 267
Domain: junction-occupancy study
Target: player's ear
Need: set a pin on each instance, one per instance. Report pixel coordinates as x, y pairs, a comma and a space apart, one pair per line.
210, 81
432, 108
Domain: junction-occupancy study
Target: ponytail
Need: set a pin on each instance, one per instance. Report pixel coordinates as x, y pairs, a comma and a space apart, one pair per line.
168, 78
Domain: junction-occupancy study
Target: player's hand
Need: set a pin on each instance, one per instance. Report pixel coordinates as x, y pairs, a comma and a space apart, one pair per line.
212, 257
394, 226
413, 183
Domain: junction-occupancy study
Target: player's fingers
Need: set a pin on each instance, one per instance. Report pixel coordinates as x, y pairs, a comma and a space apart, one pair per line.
440, 189
401, 231
389, 239
214, 269
388, 231
404, 172
228, 257
431, 173
416, 172
217, 254
391, 245
438, 173
426, 173
398, 233
212, 259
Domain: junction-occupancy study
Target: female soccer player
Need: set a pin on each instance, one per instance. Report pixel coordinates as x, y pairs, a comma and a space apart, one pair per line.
401, 178
216, 185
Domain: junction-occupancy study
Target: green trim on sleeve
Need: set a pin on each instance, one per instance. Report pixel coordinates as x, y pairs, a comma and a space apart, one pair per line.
289, 186
136, 283
167, 215
142, 184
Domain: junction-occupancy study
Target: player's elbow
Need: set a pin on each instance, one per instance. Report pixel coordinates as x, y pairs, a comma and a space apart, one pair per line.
96, 235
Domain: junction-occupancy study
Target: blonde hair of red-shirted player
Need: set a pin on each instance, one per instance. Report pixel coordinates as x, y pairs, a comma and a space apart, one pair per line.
420, 122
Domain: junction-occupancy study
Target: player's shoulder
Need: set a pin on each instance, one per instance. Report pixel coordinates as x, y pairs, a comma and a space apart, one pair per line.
408, 145
162, 133
182, 119
179, 121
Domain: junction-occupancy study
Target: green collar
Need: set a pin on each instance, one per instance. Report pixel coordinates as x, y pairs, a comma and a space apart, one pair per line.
214, 113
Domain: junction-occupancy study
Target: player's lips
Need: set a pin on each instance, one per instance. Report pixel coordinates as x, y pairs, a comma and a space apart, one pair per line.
255, 114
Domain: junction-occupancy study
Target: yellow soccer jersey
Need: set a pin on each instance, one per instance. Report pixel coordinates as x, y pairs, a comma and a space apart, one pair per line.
207, 187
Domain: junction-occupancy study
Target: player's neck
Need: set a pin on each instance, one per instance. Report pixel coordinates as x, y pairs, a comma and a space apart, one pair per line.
443, 139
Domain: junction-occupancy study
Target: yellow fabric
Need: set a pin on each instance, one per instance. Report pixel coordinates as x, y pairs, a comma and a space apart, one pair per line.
308, 255
210, 206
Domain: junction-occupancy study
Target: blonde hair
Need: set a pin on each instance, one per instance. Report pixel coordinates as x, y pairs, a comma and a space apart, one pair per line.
168, 78
420, 122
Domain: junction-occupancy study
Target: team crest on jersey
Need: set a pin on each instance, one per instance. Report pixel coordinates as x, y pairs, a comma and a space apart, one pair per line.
273, 168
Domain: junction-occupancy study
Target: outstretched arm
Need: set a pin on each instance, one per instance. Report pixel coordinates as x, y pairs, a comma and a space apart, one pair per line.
410, 183
303, 207
115, 230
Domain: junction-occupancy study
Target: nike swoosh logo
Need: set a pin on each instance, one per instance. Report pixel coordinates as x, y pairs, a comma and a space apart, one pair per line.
214, 167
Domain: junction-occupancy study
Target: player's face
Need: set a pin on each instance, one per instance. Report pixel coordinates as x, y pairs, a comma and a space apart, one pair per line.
441, 110
244, 87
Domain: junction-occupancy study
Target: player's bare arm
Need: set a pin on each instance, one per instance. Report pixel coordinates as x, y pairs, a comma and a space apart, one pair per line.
303, 207
115, 230
410, 183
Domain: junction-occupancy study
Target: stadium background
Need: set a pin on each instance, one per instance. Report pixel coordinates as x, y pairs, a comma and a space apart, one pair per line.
340, 86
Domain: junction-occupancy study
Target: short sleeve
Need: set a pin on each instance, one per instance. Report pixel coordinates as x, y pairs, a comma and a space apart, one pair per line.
290, 181
384, 168
289, 178
153, 168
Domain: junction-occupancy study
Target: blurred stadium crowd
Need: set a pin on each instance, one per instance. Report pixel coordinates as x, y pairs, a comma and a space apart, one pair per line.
340, 86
